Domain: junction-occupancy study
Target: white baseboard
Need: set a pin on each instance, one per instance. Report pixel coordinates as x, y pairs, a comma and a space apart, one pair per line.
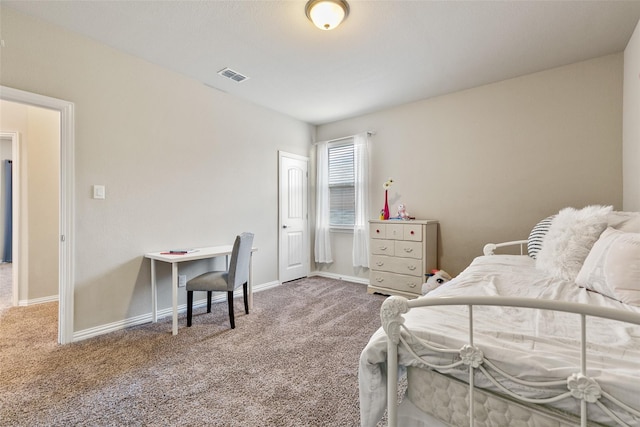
146, 318
27, 302
265, 286
353, 279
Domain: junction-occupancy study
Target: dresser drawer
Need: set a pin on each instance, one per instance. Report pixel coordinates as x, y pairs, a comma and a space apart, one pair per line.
382, 247
408, 266
412, 232
377, 231
395, 231
408, 249
398, 282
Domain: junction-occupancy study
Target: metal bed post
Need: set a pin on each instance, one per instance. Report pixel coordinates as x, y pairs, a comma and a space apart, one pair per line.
392, 383
471, 369
583, 366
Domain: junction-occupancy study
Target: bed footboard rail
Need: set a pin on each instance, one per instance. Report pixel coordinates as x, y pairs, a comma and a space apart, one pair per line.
578, 385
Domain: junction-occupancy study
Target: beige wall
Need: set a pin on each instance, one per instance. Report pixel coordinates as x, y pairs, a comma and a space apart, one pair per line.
39, 131
183, 164
631, 132
490, 162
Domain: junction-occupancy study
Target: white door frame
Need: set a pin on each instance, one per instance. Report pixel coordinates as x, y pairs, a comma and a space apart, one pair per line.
15, 212
67, 201
307, 255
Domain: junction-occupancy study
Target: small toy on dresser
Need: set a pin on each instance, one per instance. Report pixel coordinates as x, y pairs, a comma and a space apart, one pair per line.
402, 213
438, 278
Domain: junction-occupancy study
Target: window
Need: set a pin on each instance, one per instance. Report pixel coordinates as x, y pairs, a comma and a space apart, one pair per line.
341, 185
342, 196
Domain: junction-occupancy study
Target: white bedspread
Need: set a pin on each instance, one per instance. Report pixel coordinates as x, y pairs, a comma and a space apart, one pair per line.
527, 343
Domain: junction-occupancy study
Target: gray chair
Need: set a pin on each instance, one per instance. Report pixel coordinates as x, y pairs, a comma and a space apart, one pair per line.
220, 281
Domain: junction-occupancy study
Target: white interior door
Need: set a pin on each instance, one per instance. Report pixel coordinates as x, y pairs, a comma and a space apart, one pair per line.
293, 217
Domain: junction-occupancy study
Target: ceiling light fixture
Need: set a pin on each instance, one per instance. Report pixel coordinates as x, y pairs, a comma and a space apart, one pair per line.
326, 14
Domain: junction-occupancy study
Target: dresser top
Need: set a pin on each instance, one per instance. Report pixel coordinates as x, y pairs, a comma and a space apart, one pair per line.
403, 221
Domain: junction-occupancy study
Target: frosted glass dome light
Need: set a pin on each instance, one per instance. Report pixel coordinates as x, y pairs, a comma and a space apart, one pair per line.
327, 14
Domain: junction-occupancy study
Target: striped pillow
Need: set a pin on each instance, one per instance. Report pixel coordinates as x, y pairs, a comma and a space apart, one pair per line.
536, 236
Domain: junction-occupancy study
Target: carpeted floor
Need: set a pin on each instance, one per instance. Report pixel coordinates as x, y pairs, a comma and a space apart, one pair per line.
6, 291
292, 362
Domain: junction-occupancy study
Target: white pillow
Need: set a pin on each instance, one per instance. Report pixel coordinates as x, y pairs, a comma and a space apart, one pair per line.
612, 268
625, 221
569, 240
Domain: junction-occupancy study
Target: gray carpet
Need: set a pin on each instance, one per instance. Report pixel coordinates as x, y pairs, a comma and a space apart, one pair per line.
292, 362
6, 290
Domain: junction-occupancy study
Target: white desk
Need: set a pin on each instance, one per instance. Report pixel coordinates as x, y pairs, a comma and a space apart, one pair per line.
174, 260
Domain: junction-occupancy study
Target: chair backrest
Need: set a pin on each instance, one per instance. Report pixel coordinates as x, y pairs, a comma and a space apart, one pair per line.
239, 263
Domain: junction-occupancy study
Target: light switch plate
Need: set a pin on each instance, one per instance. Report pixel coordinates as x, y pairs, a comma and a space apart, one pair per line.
98, 192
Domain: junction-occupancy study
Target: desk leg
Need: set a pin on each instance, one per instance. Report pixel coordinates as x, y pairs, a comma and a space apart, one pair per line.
250, 285
154, 293
174, 295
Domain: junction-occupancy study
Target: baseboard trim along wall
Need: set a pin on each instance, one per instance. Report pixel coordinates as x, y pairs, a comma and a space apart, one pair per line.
27, 302
354, 279
146, 318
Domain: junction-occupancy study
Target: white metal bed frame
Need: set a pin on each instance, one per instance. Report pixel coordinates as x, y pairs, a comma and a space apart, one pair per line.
579, 385
490, 248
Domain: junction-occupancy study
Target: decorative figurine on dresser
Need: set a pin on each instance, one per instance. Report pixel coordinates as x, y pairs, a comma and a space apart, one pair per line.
402, 252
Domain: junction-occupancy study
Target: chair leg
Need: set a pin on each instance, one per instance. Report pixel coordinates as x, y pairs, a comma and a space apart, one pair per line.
230, 300
246, 301
209, 301
189, 307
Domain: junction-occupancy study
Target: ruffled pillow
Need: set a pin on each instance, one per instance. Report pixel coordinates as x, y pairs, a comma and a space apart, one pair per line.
612, 268
569, 240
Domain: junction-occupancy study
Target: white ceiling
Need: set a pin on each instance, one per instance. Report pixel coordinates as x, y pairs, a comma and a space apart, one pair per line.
385, 53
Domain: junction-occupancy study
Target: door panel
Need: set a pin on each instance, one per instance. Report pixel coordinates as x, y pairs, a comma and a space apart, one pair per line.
294, 234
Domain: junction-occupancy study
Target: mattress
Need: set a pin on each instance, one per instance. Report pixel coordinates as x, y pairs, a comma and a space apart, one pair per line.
527, 343
437, 400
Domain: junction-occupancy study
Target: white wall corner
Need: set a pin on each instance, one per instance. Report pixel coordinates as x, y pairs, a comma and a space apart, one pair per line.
631, 125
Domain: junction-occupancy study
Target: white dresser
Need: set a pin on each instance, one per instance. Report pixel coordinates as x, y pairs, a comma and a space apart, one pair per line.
402, 252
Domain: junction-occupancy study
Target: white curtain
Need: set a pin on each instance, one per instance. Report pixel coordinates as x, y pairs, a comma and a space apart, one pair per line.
361, 181
323, 232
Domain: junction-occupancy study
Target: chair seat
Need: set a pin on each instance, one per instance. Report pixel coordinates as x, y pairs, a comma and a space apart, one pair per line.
211, 281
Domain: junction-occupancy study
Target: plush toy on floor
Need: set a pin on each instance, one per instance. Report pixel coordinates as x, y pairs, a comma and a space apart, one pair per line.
438, 278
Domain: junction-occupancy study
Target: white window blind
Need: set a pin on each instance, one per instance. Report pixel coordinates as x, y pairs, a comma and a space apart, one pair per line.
341, 185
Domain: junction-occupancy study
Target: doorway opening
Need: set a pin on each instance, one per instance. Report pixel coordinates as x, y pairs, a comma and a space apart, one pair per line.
65, 234
9, 218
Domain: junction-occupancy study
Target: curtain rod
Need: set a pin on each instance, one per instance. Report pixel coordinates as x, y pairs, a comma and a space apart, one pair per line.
369, 132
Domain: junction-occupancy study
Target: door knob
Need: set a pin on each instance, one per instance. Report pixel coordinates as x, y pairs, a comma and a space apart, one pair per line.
285, 226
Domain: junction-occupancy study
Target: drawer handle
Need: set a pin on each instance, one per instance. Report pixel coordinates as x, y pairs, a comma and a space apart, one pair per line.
377, 231
379, 263
411, 267
379, 279
408, 250
383, 248
411, 285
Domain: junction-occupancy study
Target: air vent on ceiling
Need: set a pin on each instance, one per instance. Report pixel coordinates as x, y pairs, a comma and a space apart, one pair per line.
233, 75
